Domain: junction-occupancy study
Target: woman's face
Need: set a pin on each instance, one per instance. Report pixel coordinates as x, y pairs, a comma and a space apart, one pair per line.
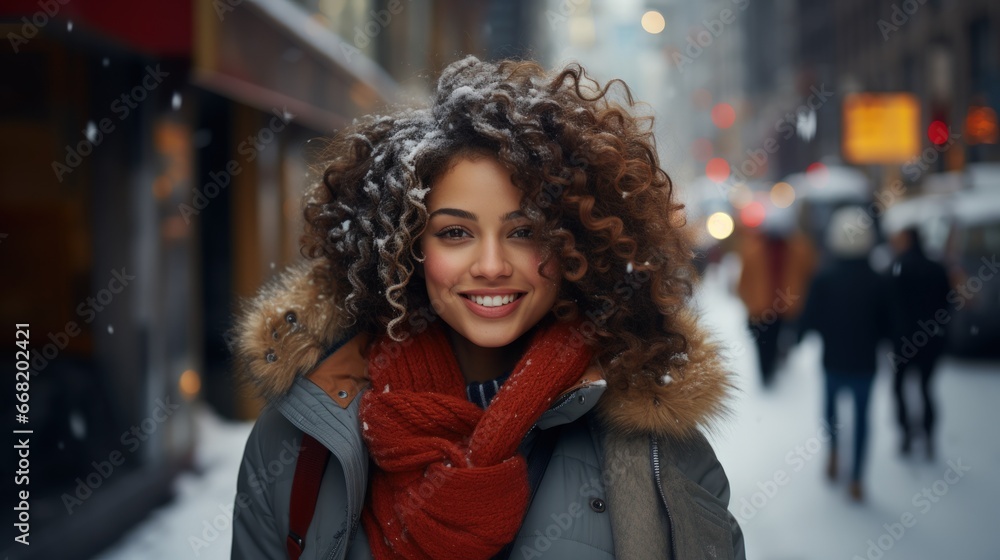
481, 264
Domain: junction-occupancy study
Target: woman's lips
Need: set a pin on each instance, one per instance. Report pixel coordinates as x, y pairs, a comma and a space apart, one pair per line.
492, 312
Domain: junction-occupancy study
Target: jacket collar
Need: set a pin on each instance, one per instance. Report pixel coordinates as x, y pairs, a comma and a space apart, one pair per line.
288, 331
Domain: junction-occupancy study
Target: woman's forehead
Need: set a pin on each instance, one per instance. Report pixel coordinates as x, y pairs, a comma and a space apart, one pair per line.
480, 182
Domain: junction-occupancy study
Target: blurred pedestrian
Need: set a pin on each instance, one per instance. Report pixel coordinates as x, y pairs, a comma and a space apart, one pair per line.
489, 343
847, 306
919, 291
778, 262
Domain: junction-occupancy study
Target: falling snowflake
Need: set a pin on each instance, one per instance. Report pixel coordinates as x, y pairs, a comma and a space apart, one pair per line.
666, 379
69, 26
91, 131
111, 329
105, 62
77, 425
175, 101
629, 268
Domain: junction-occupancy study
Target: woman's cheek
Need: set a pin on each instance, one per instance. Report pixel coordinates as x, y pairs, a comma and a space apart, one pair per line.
437, 270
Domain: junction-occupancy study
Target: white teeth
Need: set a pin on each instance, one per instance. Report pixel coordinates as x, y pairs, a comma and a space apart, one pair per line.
494, 301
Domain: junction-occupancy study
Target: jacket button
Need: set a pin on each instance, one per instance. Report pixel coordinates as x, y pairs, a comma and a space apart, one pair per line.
342, 394
271, 357
582, 399
598, 505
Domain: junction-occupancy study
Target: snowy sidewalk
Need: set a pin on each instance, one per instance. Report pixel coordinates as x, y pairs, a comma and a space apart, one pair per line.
198, 522
775, 453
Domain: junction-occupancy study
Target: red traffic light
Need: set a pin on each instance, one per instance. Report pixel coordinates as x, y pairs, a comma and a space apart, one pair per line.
938, 132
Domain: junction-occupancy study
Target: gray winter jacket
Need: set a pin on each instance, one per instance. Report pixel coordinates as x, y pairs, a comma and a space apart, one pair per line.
631, 476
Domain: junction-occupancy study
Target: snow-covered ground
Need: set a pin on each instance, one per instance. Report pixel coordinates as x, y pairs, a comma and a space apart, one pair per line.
773, 450
197, 523
775, 454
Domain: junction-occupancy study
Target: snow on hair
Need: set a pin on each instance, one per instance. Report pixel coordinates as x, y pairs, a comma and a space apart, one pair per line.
592, 184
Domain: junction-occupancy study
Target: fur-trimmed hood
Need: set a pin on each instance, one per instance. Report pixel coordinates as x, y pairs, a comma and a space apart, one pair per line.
287, 329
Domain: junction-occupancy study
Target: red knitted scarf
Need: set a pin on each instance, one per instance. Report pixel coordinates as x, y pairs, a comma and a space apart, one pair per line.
448, 481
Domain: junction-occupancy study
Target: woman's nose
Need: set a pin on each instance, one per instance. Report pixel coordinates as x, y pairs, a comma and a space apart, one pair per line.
492, 261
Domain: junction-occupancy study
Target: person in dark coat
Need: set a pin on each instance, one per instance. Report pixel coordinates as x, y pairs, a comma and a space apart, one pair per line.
918, 299
847, 306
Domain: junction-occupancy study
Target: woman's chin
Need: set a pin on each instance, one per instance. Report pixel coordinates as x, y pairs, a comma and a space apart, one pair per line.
486, 337
499, 340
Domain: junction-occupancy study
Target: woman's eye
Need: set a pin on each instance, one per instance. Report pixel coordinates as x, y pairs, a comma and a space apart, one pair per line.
451, 233
523, 233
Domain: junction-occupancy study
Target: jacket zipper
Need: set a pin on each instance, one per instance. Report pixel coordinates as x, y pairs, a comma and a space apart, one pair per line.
301, 425
659, 486
561, 402
336, 547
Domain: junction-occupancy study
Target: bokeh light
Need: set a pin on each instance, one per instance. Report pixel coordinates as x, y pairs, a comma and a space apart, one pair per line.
720, 225
782, 195
717, 169
653, 22
981, 125
937, 132
752, 215
190, 384
723, 115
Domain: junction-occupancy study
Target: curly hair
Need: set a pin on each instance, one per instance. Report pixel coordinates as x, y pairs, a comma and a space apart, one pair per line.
593, 189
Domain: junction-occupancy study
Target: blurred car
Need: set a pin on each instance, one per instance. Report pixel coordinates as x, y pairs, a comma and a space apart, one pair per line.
972, 252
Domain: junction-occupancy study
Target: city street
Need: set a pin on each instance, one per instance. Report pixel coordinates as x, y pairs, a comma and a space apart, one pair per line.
796, 515
198, 197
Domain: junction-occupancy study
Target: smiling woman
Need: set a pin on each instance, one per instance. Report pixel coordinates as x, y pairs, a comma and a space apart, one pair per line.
483, 273
502, 280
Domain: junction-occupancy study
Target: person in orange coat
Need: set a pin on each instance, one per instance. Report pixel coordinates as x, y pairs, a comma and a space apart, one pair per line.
778, 263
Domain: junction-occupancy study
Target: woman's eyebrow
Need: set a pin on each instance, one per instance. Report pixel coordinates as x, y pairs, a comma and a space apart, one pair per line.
510, 216
466, 215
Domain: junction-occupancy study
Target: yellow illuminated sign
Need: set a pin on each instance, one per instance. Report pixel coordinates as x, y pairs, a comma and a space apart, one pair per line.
881, 128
